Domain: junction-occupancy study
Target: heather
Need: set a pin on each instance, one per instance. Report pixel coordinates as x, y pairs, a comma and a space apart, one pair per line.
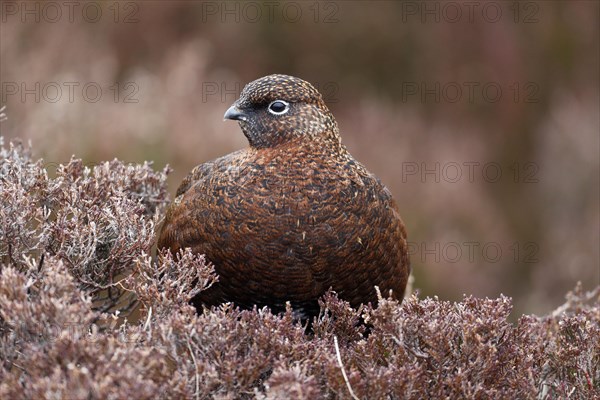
88, 309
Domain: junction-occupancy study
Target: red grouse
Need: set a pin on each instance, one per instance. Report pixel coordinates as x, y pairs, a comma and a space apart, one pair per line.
292, 215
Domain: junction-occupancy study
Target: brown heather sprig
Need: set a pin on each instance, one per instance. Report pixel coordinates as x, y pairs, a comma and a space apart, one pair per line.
66, 239
51, 349
98, 220
170, 283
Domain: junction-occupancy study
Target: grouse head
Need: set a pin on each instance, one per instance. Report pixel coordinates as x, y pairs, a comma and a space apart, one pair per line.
277, 109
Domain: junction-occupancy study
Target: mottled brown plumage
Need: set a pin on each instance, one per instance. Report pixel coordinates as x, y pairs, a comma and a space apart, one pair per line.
293, 214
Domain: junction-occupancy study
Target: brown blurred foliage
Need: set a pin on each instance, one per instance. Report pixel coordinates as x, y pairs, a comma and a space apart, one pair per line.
55, 343
397, 75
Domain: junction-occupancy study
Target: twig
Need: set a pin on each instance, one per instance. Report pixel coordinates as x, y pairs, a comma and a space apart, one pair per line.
147, 324
339, 359
41, 263
583, 298
196, 366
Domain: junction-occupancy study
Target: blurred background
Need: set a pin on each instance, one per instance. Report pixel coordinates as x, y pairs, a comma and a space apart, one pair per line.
482, 118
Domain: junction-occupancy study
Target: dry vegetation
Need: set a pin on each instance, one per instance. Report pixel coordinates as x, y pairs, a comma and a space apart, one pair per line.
76, 247
183, 67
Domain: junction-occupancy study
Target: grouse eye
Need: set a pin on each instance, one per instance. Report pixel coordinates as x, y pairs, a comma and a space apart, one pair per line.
278, 107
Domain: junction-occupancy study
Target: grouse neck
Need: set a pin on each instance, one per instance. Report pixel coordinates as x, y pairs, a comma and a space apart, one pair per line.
305, 145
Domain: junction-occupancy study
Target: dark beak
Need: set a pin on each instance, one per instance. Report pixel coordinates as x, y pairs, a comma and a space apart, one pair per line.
235, 114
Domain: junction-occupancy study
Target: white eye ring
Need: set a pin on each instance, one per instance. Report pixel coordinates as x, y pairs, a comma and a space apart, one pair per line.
281, 112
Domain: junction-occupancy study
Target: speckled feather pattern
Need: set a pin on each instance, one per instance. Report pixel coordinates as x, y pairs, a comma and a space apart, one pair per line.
293, 214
